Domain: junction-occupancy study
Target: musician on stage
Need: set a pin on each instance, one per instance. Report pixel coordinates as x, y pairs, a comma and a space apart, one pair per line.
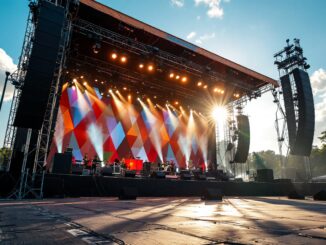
85, 160
95, 162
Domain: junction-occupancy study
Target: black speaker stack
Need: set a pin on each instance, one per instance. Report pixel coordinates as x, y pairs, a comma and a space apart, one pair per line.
242, 150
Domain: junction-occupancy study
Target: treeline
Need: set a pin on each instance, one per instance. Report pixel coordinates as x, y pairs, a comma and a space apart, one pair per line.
295, 165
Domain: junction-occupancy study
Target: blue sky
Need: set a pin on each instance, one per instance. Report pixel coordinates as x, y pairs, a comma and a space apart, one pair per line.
248, 32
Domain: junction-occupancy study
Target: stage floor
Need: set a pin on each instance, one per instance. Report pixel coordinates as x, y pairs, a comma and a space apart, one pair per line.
258, 220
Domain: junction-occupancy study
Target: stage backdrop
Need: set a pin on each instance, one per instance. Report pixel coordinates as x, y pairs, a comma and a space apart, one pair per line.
112, 127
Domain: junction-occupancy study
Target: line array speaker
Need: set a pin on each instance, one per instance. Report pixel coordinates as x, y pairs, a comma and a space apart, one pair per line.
41, 67
242, 151
306, 123
289, 108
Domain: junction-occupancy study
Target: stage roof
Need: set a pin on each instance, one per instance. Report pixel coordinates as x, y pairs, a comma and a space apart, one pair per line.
263, 80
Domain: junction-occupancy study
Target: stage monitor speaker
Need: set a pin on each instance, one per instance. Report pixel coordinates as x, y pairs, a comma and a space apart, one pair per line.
41, 66
199, 175
289, 108
77, 169
158, 174
128, 193
320, 196
129, 173
107, 171
306, 123
212, 194
185, 175
62, 163
296, 195
242, 151
265, 175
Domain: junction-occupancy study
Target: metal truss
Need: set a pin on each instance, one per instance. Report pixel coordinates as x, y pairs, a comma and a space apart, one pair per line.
17, 79
133, 46
49, 120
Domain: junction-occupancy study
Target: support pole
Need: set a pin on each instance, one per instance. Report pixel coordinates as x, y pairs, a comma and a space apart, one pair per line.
4, 88
23, 169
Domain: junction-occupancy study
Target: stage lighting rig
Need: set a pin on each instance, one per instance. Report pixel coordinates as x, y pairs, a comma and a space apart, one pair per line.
291, 57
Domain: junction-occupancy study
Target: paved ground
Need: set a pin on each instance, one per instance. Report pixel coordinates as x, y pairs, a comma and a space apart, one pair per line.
151, 221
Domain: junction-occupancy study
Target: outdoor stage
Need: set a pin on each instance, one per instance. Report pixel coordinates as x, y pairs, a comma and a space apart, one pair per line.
247, 220
86, 186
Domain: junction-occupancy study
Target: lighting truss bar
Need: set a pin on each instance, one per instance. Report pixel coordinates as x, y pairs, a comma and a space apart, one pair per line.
139, 48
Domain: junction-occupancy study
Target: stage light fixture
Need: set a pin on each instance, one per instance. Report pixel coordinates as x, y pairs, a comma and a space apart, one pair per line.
82, 77
124, 88
184, 79
96, 48
74, 80
205, 87
155, 97
129, 97
117, 91
73, 87
110, 90
199, 84
141, 66
150, 67
171, 75
176, 102
219, 114
177, 77
138, 99
102, 82
123, 59
215, 90
84, 83
95, 80
114, 56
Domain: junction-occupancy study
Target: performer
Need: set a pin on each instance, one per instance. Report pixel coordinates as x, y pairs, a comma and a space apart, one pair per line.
95, 162
85, 160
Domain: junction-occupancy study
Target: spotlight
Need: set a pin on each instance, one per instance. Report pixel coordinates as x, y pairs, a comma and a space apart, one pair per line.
129, 97
141, 66
150, 67
84, 83
102, 82
177, 77
176, 102
184, 79
114, 56
95, 80
102, 93
215, 90
155, 97
123, 59
74, 80
171, 75
199, 84
219, 113
124, 88
73, 87
138, 99
96, 48
82, 77
117, 91
148, 100
110, 90
205, 87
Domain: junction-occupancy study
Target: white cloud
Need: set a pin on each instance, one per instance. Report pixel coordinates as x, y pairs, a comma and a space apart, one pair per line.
318, 81
6, 64
318, 84
191, 35
205, 37
214, 7
198, 17
178, 3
